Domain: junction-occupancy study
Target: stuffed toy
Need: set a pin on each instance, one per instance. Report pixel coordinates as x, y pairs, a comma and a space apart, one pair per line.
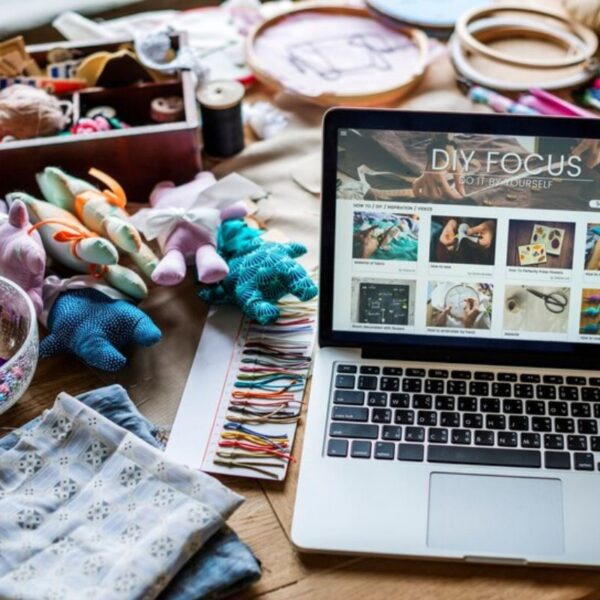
184, 219
96, 328
260, 273
102, 211
73, 245
22, 256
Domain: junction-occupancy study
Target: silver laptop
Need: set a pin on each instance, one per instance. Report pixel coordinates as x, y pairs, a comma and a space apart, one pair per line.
455, 403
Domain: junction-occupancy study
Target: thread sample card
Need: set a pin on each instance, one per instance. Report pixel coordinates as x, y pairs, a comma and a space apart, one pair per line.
243, 397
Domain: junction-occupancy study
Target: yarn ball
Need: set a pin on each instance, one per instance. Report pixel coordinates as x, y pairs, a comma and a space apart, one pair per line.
27, 112
96, 328
586, 12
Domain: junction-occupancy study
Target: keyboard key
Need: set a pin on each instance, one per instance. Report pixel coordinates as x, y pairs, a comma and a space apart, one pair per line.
566, 392
461, 375
450, 419
584, 461
389, 384
354, 430
484, 376
377, 399
590, 393
597, 411
594, 381
438, 373
385, 450
484, 456
427, 417
367, 382
587, 426
350, 413
535, 407
545, 392
495, 422
461, 436
554, 441
530, 378
523, 390
581, 409
514, 407
422, 401
456, 387
576, 381
404, 417
394, 371
484, 438
507, 438
337, 448
369, 370
381, 415
489, 405
518, 423
444, 402
414, 452
391, 432
346, 368
503, 390
360, 450
434, 386
554, 379
541, 423
531, 440
558, 409
345, 382
412, 385
472, 420
467, 404
414, 434
562, 425
399, 400
577, 442
348, 397
506, 377
557, 460
413, 372
479, 388
595, 442
437, 435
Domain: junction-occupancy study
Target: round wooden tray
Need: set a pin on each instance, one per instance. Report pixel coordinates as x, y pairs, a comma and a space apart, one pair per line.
332, 97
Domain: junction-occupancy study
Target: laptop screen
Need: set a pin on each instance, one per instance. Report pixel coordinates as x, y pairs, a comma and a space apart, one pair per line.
467, 236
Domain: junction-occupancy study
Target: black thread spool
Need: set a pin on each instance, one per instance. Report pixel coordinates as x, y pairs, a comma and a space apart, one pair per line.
221, 110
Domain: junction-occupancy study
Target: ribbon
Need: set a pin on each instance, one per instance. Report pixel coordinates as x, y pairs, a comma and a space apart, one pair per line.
113, 195
153, 222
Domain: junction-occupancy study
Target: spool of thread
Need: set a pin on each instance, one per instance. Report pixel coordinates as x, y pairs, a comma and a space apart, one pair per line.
221, 110
167, 110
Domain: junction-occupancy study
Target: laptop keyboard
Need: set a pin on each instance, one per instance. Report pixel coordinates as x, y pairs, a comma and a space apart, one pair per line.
465, 417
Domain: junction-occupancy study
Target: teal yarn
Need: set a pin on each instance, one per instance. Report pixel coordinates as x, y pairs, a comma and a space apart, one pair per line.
260, 273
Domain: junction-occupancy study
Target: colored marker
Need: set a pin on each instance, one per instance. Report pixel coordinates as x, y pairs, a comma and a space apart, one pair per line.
499, 103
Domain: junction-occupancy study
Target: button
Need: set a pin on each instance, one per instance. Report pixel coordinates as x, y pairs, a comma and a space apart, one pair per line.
568, 392
545, 392
504, 390
558, 409
369, 370
461, 436
411, 385
495, 422
584, 461
412, 372
437, 435
444, 402
562, 425
381, 415
534, 407
414, 434
350, 413
395, 371
450, 419
555, 379
404, 417
531, 440
473, 420
530, 378
391, 432
484, 456
389, 384
456, 387
466, 403
347, 397
581, 409
554, 441
507, 438
515, 407
557, 460
353, 430
414, 452
576, 381
479, 388
384, 450
590, 393
518, 423
346, 368
377, 399
367, 382
461, 375
399, 400
541, 423
345, 381
484, 376
434, 386
427, 417
360, 450
438, 373
523, 390
337, 448
490, 405
587, 426
506, 377
484, 438
577, 442
422, 401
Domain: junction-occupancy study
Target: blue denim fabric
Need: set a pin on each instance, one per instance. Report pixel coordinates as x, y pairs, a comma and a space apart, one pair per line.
224, 565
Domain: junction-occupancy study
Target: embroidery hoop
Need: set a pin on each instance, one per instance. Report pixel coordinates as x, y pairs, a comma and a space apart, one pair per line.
383, 96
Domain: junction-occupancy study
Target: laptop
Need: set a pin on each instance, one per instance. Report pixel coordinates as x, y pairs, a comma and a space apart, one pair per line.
455, 403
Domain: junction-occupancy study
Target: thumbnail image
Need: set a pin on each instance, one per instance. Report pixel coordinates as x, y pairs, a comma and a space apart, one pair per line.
464, 240
536, 308
592, 247
459, 305
589, 319
383, 302
385, 236
544, 244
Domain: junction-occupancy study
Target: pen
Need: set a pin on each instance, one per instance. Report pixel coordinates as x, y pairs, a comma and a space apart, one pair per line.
549, 104
499, 103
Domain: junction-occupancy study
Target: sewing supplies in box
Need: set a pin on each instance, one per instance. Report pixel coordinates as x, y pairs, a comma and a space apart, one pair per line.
243, 397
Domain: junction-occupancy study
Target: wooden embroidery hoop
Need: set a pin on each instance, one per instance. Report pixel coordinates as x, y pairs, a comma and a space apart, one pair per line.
380, 97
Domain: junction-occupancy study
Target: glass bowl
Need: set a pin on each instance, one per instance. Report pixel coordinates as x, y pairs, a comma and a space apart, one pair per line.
19, 344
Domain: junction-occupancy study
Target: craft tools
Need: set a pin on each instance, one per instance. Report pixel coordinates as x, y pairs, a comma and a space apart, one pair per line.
498, 102
546, 103
555, 302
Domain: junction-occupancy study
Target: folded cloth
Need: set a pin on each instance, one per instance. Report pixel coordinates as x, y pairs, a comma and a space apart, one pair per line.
224, 565
88, 510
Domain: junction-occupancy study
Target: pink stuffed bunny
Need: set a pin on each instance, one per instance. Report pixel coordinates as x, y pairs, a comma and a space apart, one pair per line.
22, 255
185, 220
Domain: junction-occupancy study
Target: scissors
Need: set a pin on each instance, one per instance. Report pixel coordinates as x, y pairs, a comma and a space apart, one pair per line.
555, 302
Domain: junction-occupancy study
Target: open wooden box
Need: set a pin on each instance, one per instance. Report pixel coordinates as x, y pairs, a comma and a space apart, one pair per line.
137, 157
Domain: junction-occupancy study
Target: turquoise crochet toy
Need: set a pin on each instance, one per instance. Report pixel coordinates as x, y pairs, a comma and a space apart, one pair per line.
96, 328
260, 273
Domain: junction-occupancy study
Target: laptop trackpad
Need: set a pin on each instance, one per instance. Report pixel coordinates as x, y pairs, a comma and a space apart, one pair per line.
505, 516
